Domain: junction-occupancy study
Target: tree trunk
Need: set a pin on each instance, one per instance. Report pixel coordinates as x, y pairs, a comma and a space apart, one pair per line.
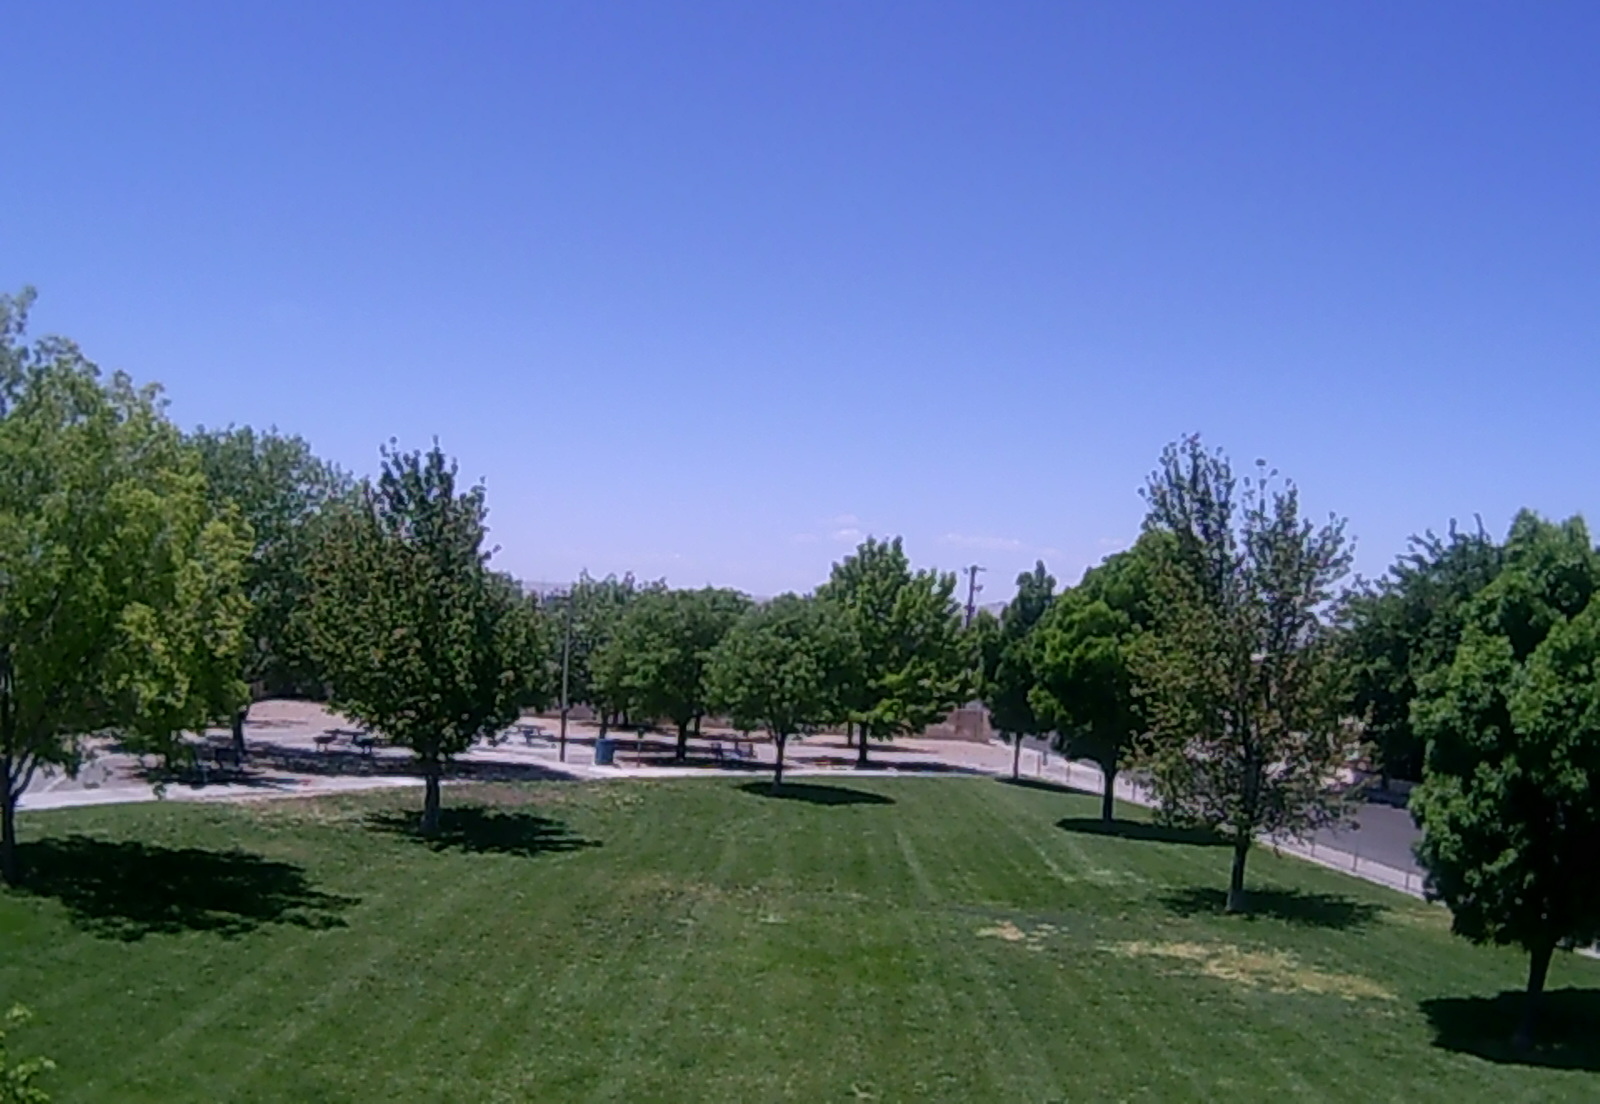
1236, 899
430, 797
683, 742
1016, 758
9, 868
9, 789
849, 734
861, 747
239, 717
1108, 798
1538, 970
778, 742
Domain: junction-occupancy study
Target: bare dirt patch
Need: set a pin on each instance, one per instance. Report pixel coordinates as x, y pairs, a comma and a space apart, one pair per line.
1277, 971
1033, 939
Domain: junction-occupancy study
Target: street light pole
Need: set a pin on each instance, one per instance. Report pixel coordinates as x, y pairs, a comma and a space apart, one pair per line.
566, 657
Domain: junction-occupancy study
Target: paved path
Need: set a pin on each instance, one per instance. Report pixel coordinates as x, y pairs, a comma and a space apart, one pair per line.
1376, 849
286, 760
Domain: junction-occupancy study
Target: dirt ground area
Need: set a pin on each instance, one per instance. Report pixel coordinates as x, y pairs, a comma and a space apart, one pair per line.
299, 747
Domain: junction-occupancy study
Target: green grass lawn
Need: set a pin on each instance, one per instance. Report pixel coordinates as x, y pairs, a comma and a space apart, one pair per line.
888, 940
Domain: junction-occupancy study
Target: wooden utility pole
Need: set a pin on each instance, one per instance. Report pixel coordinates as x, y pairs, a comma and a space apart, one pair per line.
972, 592
566, 657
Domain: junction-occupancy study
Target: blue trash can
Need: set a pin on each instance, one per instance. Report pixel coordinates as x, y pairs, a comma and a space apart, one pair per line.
605, 751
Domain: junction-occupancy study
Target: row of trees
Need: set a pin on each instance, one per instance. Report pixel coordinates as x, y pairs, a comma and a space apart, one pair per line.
1206, 653
155, 583
1219, 656
420, 641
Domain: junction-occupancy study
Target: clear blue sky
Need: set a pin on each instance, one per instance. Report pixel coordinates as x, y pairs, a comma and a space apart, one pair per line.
703, 290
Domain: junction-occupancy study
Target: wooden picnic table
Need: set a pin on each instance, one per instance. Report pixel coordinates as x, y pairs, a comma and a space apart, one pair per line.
358, 738
531, 732
744, 745
219, 749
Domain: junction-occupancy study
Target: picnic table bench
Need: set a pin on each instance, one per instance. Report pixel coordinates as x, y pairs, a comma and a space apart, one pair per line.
217, 751
743, 745
212, 753
360, 739
532, 732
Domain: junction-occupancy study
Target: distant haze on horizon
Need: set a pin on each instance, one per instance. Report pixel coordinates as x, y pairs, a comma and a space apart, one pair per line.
710, 292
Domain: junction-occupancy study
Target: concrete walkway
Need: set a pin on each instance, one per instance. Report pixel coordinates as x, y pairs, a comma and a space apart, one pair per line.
1381, 833
289, 756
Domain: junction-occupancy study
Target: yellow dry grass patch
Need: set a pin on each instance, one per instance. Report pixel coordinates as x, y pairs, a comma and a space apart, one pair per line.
295, 812
1033, 939
1432, 918
1277, 971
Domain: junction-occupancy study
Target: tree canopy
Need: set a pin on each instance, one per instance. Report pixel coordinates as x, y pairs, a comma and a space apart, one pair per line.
1406, 625
419, 641
1238, 670
657, 656
118, 601
280, 489
783, 668
914, 666
1009, 659
1083, 659
598, 675
1510, 800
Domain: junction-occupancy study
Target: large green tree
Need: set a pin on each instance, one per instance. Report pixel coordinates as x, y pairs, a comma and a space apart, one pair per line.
281, 489
1239, 672
1009, 654
658, 654
180, 670
783, 667
1509, 804
597, 675
418, 639
915, 665
1083, 660
114, 571
530, 631
1406, 625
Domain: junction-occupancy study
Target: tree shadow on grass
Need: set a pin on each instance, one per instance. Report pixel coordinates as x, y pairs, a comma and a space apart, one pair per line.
1142, 831
1313, 910
816, 795
342, 761
1567, 1036
1025, 783
124, 889
478, 830
888, 767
